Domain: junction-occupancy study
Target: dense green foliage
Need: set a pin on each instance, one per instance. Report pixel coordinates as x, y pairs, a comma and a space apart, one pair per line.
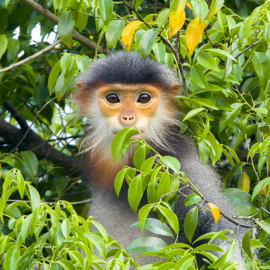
220, 52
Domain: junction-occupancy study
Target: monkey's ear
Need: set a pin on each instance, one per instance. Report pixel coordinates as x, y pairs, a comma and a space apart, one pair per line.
81, 85
174, 88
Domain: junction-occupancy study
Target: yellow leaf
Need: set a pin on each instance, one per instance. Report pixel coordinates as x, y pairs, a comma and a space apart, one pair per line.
244, 182
128, 32
215, 211
189, 5
193, 34
178, 27
175, 15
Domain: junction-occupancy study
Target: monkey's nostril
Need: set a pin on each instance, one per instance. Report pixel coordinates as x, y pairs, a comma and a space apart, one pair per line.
125, 118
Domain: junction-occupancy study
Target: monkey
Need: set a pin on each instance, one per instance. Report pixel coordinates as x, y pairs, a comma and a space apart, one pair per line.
117, 92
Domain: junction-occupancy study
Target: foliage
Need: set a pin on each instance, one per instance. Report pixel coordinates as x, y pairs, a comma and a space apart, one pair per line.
220, 52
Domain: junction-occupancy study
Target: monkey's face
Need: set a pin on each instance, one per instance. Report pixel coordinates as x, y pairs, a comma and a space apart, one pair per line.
124, 106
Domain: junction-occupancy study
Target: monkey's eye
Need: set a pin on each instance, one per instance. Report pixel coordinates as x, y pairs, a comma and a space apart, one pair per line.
144, 98
112, 98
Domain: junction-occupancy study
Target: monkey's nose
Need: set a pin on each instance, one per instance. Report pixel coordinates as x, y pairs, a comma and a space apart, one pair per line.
128, 118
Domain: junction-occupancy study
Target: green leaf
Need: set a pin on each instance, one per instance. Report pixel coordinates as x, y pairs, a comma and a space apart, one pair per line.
192, 199
198, 77
190, 223
114, 32
256, 244
264, 225
53, 76
66, 228
164, 185
38, 94
216, 5
184, 262
261, 65
160, 51
65, 27
171, 217
12, 258
136, 4
20, 183
155, 226
218, 235
208, 61
171, 162
245, 210
25, 227
248, 131
147, 165
147, 41
101, 230
162, 17
168, 61
218, 52
139, 156
224, 259
259, 187
248, 24
106, 9
83, 62
66, 265
59, 237
119, 139
237, 196
228, 117
135, 193
76, 256
203, 10
235, 168
98, 242
3, 45
13, 47
209, 247
143, 213
31, 161
146, 244
193, 113
34, 197
118, 182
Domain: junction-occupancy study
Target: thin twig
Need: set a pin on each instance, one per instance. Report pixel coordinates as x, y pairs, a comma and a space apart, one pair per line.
250, 46
31, 57
155, 10
29, 128
208, 37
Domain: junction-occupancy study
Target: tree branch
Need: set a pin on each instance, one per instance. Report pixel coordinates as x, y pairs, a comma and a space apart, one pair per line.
31, 57
13, 136
15, 113
76, 35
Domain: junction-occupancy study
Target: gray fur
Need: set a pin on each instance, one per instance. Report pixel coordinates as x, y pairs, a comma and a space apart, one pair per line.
114, 213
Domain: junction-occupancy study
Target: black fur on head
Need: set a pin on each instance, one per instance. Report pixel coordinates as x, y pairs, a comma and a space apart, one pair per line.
128, 68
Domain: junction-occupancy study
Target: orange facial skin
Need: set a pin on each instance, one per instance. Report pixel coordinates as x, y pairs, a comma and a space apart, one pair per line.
128, 111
